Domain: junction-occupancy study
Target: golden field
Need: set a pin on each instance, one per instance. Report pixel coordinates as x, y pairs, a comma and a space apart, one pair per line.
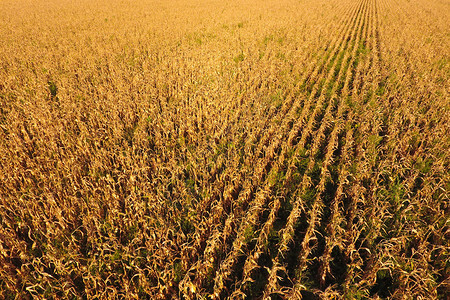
206, 149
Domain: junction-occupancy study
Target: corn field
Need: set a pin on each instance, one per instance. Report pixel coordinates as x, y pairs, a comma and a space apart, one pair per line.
224, 149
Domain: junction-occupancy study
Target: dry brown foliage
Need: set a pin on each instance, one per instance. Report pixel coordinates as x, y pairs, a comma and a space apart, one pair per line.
208, 149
